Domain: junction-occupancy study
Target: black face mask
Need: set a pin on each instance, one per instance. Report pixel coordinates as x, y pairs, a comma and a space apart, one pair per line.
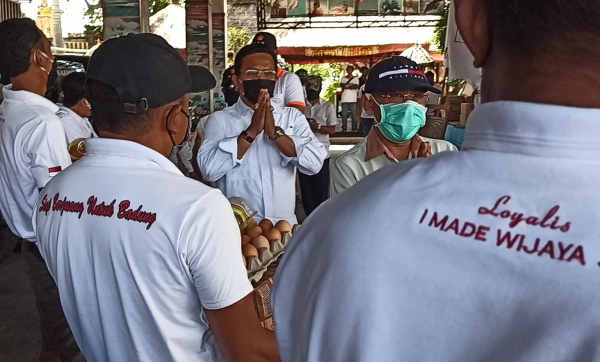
312, 94
252, 88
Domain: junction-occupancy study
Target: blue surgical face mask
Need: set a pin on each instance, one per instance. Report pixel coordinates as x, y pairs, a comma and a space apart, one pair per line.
401, 122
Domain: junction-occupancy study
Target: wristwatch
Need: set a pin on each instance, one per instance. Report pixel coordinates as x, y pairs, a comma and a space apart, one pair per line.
278, 133
246, 137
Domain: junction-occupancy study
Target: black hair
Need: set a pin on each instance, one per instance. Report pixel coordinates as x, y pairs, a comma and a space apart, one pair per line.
108, 114
549, 27
268, 39
73, 88
18, 37
431, 76
249, 50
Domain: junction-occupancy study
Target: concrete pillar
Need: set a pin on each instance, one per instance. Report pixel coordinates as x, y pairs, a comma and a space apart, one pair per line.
57, 36
122, 17
206, 44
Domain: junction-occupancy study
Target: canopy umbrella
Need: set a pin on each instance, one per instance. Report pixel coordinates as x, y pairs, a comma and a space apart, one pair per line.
418, 54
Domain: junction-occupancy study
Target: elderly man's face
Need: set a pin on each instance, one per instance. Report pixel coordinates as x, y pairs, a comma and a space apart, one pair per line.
376, 99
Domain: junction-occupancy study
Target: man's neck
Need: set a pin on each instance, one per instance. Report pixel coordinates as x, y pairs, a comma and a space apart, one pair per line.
574, 85
400, 151
248, 103
26, 82
313, 101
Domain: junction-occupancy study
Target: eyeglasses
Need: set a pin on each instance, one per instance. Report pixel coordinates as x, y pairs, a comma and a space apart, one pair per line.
398, 97
260, 74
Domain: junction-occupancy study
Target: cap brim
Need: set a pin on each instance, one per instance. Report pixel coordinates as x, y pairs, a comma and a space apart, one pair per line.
392, 86
202, 79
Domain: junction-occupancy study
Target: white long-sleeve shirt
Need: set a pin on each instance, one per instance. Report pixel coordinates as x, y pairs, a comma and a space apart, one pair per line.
264, 177
75, 126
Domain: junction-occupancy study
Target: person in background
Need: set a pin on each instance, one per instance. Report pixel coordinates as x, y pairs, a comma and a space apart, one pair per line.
76, 109
322, 118
302, 74
395, 94
147, 261
32, 151
489, 254
349, 84
288, 87
433, 99
228, 87
253, 149
364, 72
366, 119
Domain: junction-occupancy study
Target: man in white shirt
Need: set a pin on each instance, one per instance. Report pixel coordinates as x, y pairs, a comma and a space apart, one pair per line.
322, 118
147, 261
32, 151
288, 89
253, 149
490, 254
395, 94
76, 109
350, 85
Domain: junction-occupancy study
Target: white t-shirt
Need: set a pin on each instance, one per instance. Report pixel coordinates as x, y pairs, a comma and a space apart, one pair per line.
490, 254
324, 113
288, 90
137, 251
349, 95
32, 150
75, 126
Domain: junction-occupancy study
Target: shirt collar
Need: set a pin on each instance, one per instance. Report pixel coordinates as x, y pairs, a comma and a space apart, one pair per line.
375, 147
127, 149
69, 111
535, 130
280, 72
28, 97
244, 110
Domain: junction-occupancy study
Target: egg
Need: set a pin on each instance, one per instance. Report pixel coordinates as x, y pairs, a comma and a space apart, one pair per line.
249, 250
261, 242
246, 239
254, 232
274, 234
250, 223
266, 225
284, 226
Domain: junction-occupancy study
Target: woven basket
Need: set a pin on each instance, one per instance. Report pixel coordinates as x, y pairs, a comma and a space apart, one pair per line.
435, 127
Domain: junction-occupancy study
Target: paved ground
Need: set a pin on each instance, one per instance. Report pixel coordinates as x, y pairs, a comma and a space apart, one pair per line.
19, 323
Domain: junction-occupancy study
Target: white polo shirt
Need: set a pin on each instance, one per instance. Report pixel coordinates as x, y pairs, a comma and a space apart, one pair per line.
490, 254
75, 126
324, 113
264, 177
288, 90
32, 150
137, 251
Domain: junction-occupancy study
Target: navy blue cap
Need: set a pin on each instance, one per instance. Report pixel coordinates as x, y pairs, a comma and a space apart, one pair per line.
146, 72
397, 73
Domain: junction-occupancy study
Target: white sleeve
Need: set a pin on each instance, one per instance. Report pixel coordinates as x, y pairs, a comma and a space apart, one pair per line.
47, 150
310, 152
213, 253
218, 153
294, 92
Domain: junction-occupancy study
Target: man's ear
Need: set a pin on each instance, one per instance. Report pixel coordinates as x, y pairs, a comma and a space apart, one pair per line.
473, 22
372, 108
177, 123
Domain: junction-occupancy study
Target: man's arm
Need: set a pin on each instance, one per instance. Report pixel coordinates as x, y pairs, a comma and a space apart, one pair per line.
239, 334
211, 245
310, 152
48, 150
294, 94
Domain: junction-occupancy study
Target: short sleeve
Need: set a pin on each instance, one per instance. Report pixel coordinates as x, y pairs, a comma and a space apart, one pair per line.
294, 92
213, 252
47, 150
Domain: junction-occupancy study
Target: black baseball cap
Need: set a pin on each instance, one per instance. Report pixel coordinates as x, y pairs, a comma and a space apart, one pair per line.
267, 39
397, 73
146, 72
